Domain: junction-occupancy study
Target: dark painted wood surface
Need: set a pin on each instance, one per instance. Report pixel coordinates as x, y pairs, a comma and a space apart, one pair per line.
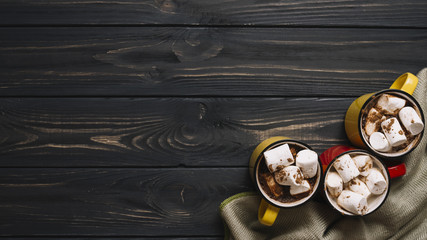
99, 61
104, 202
135, 119
223, 12
157, 132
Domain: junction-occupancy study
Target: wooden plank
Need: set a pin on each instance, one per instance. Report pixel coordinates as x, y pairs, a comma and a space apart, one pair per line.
85, 132
223, 12
123, 202
205, 61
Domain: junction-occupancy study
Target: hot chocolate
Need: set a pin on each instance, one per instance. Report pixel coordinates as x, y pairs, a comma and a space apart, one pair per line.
288, 173
391, 124
356, 183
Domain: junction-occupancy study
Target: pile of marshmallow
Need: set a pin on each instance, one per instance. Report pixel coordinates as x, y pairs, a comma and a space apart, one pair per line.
354, 181
392, 134
289, 171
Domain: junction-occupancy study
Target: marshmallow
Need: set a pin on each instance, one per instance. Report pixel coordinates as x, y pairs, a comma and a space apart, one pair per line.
357, 186
371, 125
390, 104
274, 188
379, 142
306, 160
353, 202
334, 184
363, 163
393, 132
279, 157
346, 168
376, 181
267, 179
361, 178
298, 189
288, 176
411, 120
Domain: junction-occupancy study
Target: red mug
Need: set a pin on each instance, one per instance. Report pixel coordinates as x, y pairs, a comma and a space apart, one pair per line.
328, 157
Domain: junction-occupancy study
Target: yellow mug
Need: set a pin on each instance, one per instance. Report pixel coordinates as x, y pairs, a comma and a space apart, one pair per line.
269, 207
403, 87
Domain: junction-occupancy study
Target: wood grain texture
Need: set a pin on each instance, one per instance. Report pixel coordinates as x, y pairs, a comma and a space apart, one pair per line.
156, 132
222, 12
168, 98
109, 202
205, 61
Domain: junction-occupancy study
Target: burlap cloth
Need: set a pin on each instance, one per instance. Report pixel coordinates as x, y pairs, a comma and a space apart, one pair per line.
402, 216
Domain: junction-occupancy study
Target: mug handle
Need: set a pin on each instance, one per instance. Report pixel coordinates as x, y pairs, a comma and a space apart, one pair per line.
407, 82
267, 213
397, 171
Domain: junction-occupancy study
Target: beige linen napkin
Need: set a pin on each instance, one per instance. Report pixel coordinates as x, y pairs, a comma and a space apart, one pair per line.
402, 216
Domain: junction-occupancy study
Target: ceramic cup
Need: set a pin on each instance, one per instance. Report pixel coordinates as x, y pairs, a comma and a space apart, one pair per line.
328, 158
269, 208
402, 87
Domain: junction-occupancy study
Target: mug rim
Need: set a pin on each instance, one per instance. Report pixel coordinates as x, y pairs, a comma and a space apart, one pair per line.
359, 126
256, 166
354, 151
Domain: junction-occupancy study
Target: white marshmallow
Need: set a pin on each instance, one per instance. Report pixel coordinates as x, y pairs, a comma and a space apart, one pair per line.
379, 142
393, 132
411, 120
357, 186
353, 202
376, 181
364, 164
306, 160
390, 103
334, 184
363, 178
371, 126
298, 189
288, 176
279, 157
346, 168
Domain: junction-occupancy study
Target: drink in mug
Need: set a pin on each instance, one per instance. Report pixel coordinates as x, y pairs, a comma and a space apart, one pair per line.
389, 122
356, 183
287, 173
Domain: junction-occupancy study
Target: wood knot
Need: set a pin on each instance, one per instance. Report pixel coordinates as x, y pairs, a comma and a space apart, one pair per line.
167, 6
197, 45
202, 110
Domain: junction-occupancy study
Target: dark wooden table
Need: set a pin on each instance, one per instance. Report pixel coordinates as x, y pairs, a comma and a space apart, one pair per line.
135, 118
